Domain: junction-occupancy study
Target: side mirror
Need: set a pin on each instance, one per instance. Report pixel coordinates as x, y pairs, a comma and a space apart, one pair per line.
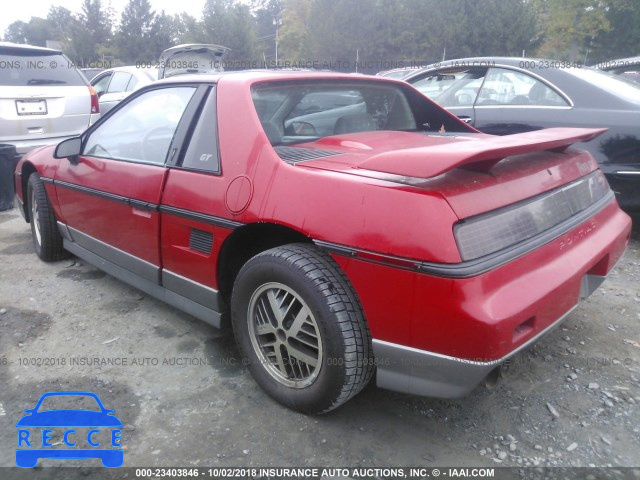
69, 148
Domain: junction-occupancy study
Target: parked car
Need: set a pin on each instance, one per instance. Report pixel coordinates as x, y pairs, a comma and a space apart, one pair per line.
114, 84
398, 73
89, 73
43, 97
192, 58
629, 68
511, 95
402, 243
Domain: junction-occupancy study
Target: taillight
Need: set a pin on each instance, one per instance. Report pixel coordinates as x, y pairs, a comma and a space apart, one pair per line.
490, 232
95, 102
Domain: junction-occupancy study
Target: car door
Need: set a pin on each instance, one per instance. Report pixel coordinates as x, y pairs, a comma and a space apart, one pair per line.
195, 208
511, 101
109, 195
116, 91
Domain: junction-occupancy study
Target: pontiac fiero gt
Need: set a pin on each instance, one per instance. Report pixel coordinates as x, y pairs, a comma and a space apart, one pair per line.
341, 225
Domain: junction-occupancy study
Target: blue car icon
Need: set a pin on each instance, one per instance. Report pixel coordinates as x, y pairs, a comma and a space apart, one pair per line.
97, 421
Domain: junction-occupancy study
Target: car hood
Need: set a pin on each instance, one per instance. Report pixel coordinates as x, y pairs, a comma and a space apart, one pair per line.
69, 418
192, 58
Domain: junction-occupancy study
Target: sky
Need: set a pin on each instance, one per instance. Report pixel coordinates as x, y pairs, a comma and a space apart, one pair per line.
25, 9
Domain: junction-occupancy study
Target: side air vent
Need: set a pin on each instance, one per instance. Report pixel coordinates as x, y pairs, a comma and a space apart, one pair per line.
200, 241
298, 154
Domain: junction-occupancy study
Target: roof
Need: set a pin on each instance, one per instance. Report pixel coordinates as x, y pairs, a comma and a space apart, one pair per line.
4, 46
273, 75
618, 63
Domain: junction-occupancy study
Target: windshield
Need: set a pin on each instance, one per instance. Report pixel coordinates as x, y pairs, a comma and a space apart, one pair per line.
33, 70
69, 402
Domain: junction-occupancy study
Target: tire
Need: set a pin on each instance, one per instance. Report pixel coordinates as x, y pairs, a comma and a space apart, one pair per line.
318, 354
47, 240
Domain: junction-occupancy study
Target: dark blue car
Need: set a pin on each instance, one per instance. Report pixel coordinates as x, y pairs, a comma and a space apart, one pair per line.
31, 448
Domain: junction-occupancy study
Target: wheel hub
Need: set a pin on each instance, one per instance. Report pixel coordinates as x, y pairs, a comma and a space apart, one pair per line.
285, 335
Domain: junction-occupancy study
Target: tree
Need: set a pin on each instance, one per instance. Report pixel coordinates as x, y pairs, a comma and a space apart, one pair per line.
91, 32
266, 12
570, 26
294, 35
135, 34
16, 32
623, 38
189, 30
62, 22
164, 33
231, 24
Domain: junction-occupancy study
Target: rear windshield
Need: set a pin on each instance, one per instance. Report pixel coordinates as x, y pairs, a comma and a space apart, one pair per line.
292, 113
614, 84
33, 70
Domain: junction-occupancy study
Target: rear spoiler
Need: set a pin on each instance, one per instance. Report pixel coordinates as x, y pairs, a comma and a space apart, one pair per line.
480, 153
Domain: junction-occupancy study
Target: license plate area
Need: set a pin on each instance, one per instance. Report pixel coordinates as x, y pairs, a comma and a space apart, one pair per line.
31, 107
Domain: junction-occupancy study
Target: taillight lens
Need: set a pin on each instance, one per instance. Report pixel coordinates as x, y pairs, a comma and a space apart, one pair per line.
505, 227
95, 101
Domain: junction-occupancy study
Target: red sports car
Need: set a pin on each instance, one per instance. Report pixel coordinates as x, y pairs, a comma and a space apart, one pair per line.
342, 225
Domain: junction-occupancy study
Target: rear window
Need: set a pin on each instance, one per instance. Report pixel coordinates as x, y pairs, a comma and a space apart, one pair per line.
616, 85
292, 113
37, 69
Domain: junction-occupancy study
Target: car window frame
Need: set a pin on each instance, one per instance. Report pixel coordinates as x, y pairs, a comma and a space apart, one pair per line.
187, 130
177, 143
108, 75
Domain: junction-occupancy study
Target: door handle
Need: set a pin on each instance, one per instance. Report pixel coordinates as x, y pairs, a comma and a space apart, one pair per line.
465, 118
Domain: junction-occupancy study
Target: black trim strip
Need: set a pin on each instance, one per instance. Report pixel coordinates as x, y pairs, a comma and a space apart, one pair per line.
179, 212
109, 196
470, 268
200, 217
46, 180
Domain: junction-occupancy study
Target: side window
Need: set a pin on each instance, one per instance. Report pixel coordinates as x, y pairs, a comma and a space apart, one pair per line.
508, 87
462, 90
101, 85
434, 84
142, 130
119, 82
202, 153
132, 84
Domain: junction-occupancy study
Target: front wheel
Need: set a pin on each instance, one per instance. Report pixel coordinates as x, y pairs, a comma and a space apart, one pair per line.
297, 319
47, 240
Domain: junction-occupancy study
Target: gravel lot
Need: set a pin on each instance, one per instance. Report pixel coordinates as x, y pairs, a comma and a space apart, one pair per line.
186, 399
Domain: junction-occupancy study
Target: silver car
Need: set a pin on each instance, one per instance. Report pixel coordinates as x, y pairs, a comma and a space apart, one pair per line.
114, 84
44, 98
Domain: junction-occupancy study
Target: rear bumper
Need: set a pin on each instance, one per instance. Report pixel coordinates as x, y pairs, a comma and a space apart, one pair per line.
440, 336
419, 372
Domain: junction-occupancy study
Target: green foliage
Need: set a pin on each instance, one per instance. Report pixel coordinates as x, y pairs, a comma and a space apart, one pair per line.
135, 35
570, 26
231, 24
623, 38
380, 34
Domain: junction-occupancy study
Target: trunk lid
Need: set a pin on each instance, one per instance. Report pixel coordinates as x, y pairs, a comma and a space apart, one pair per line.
475, 173
27, 112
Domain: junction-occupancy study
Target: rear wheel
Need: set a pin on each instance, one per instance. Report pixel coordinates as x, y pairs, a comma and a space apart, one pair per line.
296, 318
47, 240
